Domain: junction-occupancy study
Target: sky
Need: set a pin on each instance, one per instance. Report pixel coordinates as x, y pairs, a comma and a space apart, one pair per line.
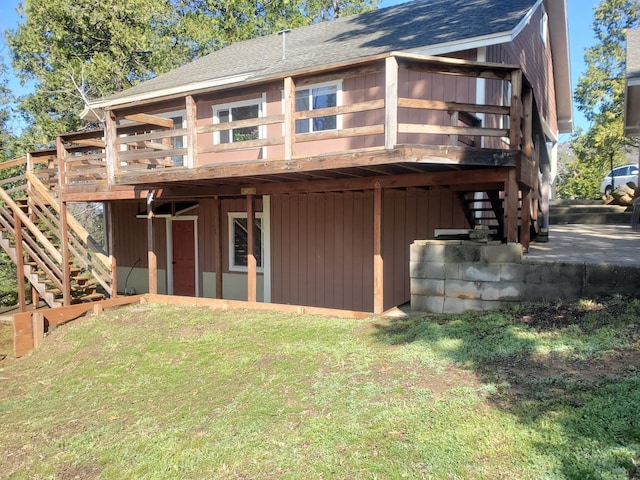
580, 14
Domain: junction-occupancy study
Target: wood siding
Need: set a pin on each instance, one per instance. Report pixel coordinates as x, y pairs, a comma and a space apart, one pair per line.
322, 244
535, 57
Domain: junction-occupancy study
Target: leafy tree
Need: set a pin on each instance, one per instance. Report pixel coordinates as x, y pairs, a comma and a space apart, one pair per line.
600, 96
72, 49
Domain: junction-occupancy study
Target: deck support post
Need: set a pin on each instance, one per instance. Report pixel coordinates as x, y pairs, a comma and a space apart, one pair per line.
108, 207
22, 301
391, 103
66, 258
152, 259
217, 245
378, 260
511, 207
515, 132
251, 254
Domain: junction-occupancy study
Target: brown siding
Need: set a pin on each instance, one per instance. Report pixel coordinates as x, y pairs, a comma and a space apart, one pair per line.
322, 244
529, 51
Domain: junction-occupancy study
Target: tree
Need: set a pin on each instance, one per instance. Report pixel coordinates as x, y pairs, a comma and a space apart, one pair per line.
600, 96
76, 48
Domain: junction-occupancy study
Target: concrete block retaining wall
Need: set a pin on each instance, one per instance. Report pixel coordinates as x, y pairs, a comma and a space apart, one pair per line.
451, 276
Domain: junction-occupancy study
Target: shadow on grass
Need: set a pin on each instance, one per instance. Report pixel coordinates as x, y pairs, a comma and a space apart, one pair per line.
569, 372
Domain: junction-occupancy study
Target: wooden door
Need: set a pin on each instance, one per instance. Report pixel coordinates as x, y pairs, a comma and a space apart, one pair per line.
184, 257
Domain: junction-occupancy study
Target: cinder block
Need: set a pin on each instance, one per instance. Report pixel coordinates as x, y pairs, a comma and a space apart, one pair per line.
532, 273
565, 272
432, 252
461, 253
479, 272
501, 253
512, 272
502, 292
610, 279
533, 292
434, 270
462, 289
453, 271
459, 305
421, 303
491, 305
427, 286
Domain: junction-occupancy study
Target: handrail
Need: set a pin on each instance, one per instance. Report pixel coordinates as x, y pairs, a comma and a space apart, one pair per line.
72, 222
39, 236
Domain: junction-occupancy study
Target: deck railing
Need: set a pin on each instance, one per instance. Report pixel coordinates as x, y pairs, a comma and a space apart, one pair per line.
147, 141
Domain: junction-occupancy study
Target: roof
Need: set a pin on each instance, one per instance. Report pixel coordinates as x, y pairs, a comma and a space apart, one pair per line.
431, 27
632, 94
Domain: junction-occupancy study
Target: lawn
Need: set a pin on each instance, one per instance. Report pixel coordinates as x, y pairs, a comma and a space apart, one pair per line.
155, 392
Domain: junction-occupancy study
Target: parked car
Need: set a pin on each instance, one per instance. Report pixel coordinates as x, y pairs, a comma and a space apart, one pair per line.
619, 176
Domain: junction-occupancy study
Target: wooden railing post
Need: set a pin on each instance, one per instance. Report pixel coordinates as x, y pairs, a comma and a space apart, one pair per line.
192, 136
515, 113
391, 103
111, 149
289, 118
62, 154
17, 225
251, 254
66, 258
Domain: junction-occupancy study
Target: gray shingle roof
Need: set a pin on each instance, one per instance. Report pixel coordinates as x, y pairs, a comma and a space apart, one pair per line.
633, 53
412, 25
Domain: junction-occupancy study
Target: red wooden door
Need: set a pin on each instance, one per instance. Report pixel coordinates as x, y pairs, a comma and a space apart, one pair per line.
184, 257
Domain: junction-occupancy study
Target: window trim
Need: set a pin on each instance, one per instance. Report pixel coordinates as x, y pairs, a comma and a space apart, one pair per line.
310, 87
259, 101
240, 268
544, 25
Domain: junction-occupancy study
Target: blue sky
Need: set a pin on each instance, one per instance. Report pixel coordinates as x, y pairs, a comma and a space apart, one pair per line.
580, 36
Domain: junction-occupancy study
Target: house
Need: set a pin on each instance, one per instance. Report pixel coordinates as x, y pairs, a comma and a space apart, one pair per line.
297, 168
632, 87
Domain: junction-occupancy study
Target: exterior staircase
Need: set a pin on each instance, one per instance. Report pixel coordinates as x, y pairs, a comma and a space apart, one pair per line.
62, 263
592, 212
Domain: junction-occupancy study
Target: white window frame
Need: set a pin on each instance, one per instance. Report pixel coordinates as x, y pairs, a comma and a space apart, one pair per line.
505, 100
335, 83
241, 268
260, 102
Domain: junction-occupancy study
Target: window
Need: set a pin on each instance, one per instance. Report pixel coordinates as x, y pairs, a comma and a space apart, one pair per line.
314, 98
505, 101
178, 142
238, 247
233, 113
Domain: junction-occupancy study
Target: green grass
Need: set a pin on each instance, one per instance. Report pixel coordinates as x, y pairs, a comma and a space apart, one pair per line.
159, 392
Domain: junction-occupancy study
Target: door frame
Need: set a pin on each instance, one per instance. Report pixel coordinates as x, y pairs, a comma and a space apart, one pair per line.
169, 226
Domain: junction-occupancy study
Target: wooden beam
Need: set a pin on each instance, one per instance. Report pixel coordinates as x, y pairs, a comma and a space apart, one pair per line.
152, 259
452, 106
17, 225
251, 254
289, 118
192, 136
511, 206
90, 142
147, 119
18, 162
217, 244
66, 257
525, 221
515, 115
111, 239
378, 260
391, 103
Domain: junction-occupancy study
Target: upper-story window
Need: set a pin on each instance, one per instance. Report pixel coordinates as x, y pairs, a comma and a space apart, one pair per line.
233, 112
315, 97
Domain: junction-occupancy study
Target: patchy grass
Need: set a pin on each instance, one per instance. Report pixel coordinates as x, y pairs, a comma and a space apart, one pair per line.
544, 391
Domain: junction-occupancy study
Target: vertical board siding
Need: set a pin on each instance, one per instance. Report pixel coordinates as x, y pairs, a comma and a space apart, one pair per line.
322, 244
529, 51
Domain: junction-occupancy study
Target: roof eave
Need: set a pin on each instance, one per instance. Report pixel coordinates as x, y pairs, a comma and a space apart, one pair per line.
559, 35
